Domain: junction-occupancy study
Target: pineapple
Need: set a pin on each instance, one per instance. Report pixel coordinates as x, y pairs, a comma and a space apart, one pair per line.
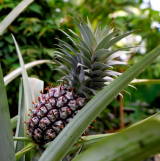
86, 67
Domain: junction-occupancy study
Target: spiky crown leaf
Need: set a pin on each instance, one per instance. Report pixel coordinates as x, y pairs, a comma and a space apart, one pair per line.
86, 64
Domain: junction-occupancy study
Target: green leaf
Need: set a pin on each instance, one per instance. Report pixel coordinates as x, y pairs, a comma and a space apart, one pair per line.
35, 86
67, 46
83, 34
6, 138
106, 30
25, 139
135, 143
99, 79
28, 96
18, 71
13, 14
27, 148
68, 36
80, 40
117, 63
99, 66
20, 130
84, 52
89, 25
36, 8
145, 81
27, 92
66, 61
14, 122
117, 54
69, 55
106, 41
119, 49
85, 61
65, 140
117, 38
64, 55
87, 142
77, 153
89, 33
99, 73
100, 55
98, 33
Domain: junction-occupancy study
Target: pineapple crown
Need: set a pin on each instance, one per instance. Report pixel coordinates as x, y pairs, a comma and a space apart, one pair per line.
87, 64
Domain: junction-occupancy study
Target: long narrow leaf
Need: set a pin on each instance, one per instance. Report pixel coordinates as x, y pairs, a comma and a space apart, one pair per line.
13, 14
116, 39
87, 142
133, 144
25, 139
8, 78
80, 40
20, 130
65, 140
104, 43
28, 94
83, 34
35, 86
6, 139
27, 148
89, 33
145, 81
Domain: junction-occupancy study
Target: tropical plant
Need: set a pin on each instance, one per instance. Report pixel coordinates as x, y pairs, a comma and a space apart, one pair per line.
35, 30
63, 143
133, 143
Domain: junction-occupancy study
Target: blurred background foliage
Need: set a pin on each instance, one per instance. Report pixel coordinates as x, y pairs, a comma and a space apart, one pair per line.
37, 27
